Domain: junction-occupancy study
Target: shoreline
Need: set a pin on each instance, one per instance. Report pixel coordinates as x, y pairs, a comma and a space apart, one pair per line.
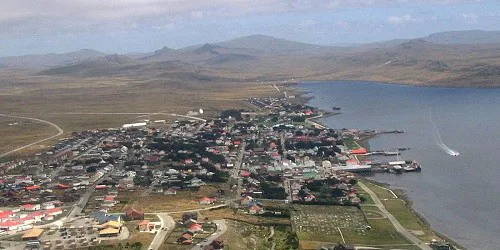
365, 143
407, 84
402, 84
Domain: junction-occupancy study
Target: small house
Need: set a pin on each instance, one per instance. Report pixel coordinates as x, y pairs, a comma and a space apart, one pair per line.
134, 214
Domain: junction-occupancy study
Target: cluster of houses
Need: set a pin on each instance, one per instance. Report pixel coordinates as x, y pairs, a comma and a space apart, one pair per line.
191, 226
110, 225
251, 205
107, 200
28, 215
289, 154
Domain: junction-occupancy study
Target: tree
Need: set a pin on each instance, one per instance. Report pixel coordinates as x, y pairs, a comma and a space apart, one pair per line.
302, 193
353, 181
325, 192
91, 169
232, 113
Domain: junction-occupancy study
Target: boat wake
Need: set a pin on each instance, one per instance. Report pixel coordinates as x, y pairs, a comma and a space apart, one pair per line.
439, 140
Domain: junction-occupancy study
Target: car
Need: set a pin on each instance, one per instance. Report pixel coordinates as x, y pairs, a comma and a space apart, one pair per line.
205, 240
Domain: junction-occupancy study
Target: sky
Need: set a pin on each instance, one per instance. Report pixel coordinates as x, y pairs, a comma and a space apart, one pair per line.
122, 26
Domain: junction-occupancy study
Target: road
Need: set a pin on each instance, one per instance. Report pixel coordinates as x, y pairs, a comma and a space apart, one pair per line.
310, 121
80, 204
59, 129
199, 209
403, 231
221, 229
187, 116
167, 223
236, 171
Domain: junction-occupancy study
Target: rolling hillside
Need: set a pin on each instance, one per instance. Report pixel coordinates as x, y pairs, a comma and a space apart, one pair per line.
263, 58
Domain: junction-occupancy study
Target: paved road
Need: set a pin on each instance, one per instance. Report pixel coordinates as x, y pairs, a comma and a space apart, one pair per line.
237, 167
60, 132
80, 204
403, 231
167, 223
221, 229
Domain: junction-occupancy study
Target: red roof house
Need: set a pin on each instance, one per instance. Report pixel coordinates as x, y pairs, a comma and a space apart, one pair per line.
134, 214
195, 227
33, 188
54, 211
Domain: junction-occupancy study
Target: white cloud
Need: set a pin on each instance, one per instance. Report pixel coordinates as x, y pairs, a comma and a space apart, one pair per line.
197, 14
307, 23
469, 17
49, 16
402, 19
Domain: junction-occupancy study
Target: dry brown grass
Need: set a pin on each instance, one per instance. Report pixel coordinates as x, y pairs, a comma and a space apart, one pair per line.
183, 200
135, 236
240, 235
74, 103
227, 213
307, 245
24, 132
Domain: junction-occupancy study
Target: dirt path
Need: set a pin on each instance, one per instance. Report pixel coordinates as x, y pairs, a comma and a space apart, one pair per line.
59, 129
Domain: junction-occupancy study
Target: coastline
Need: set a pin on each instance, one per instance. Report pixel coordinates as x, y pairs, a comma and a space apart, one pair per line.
396, 83
408, 203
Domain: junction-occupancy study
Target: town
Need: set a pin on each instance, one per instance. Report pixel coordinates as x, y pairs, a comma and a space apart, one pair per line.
271, 177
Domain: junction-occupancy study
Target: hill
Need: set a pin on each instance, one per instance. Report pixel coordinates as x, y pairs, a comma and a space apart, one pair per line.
49, 60
263, 58
266, 43
419, 62
464, 37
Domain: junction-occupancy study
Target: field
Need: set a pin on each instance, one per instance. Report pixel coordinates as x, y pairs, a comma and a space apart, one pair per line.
318, 225
240, 235
227, 213
77, 104
19, 132
401, 210
183, 200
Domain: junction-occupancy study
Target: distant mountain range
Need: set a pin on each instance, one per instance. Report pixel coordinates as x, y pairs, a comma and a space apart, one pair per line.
49, 60
468, 58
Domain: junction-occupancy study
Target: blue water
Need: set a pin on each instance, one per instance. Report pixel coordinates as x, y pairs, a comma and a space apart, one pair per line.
458, 195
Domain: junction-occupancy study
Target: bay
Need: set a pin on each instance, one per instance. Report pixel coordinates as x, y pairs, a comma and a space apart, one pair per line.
458, 195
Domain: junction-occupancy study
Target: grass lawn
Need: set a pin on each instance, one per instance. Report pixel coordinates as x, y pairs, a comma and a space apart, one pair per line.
409, 219
381, 192
399, 209
382, 232
362, 192
350, 143
372, 212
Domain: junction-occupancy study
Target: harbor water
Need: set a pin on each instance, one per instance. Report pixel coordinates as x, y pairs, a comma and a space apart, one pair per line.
457, 195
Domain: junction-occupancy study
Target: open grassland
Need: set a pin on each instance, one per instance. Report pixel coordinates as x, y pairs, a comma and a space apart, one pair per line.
77, 104
16, 132
183, 200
